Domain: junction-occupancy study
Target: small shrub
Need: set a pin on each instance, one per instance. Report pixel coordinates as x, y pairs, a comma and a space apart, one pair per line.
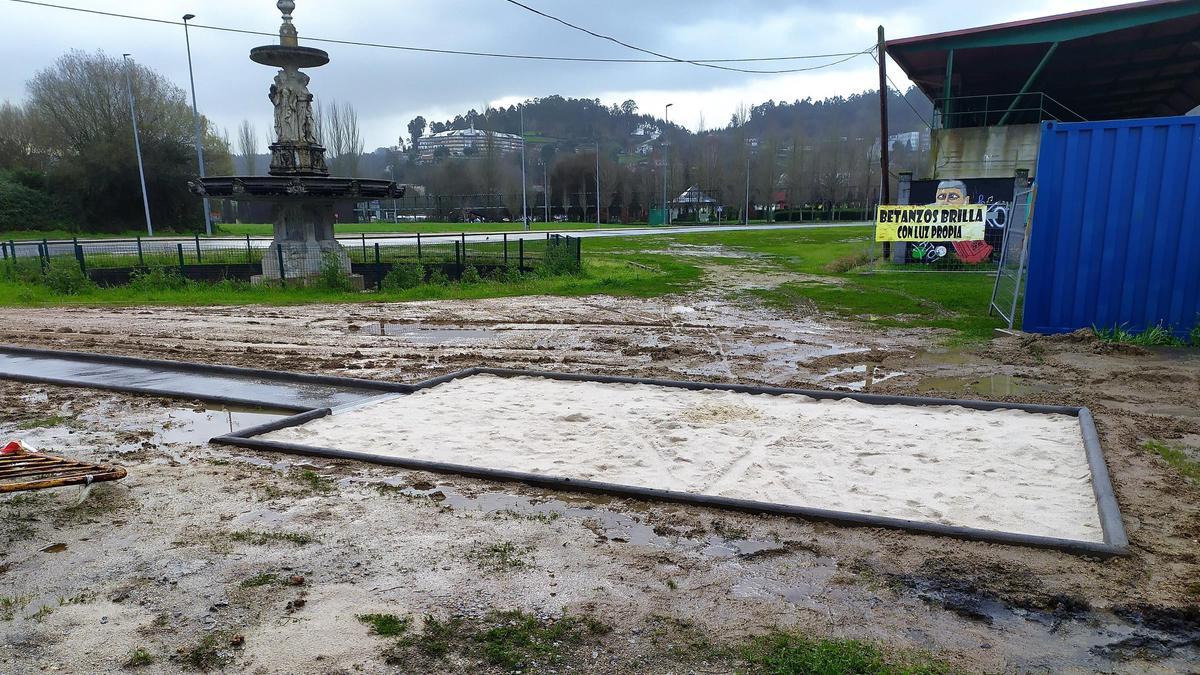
332, 276
438, 277
401, 277
157, 278
559, 258
847, 262
64, 277
510, 275
471, 275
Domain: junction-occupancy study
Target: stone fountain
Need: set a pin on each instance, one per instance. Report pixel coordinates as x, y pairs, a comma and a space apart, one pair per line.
299, 187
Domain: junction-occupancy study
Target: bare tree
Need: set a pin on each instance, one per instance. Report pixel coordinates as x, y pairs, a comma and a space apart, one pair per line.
337, 130
248, 147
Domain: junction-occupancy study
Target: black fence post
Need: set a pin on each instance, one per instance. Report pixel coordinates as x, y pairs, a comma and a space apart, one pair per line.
4, 247
579, 251
506, 249
79, 257
282, 272
249, 253
141, 255
463, 264
378, 269
419, 244
364, 246
179, 250
197, 248
43, 257
521, 254
457, 258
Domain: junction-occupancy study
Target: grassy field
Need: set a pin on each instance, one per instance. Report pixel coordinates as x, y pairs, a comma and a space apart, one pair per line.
822, 265
264, 230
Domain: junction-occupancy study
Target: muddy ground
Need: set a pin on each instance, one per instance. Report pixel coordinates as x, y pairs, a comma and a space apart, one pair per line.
170, 560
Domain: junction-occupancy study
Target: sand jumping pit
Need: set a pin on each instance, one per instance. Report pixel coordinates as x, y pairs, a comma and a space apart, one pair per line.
1003, 470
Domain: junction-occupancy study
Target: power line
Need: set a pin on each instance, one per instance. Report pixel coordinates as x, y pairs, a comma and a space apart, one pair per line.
903, 97
709, 63
433, 50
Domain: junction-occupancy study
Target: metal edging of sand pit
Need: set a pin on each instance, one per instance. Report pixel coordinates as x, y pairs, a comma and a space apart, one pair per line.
206, 368
272, 376
1115, 540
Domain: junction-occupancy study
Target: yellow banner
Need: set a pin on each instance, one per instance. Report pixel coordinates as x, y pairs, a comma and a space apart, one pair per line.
930, 223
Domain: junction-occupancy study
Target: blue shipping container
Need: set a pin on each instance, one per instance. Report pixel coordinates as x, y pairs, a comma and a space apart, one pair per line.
1115, 239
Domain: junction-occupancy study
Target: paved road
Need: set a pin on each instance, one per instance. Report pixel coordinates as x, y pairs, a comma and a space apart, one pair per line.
169, 244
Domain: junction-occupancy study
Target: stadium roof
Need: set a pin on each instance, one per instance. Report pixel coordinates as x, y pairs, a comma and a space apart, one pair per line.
1135, 60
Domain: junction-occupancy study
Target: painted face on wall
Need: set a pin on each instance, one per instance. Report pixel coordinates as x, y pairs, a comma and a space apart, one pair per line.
951, 195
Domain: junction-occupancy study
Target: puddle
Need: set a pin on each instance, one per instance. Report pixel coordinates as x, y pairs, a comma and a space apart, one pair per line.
424, 333
992, 385
278, 390
857, 378
186, 425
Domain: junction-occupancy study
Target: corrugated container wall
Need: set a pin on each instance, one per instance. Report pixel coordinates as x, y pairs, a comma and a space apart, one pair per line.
1116, 227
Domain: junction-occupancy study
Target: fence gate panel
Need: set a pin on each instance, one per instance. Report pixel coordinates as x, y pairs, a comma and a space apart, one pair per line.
1014, 252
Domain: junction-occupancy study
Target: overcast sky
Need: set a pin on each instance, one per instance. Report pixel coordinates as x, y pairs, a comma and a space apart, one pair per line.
390, 87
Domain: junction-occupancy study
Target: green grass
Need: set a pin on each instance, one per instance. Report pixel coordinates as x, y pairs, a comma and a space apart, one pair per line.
139, 657
260, 579
824, 261
386, 625
10, 605
313, 481
259, 538
38, 235
783, 653
1178, 458
1158, 336
511, 640
501, 556
45, 422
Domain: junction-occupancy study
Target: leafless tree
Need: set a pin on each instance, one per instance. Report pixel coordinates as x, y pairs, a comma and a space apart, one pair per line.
337, 130
248, 147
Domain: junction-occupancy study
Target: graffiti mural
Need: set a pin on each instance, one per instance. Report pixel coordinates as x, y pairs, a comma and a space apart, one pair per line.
996, 193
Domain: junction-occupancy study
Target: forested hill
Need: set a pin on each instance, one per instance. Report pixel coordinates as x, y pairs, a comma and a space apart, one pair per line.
579, 120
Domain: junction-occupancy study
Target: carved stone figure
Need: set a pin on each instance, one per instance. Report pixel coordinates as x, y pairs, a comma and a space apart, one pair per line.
293, 107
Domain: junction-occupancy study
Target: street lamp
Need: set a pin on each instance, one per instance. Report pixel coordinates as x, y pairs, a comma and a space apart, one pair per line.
751, 143
666, 163
137, 145
524, 199
196, 120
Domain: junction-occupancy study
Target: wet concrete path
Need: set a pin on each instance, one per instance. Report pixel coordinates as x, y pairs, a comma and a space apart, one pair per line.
240, 386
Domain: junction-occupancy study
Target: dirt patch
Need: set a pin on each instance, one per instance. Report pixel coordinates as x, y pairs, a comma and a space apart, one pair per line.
158, 550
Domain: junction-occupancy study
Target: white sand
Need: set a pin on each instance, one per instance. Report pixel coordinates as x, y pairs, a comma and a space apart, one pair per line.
1002, 470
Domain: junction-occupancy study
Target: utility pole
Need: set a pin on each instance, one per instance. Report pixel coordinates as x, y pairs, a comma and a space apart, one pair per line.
666, 163
196, 121
137, 146
749, 144
885, 187
597, 183
524, 203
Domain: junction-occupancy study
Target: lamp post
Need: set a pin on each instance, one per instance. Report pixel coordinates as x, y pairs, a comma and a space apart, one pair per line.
545, 192
524, 202
137, 145
666, 163
750, 144
196, 120
597, 182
